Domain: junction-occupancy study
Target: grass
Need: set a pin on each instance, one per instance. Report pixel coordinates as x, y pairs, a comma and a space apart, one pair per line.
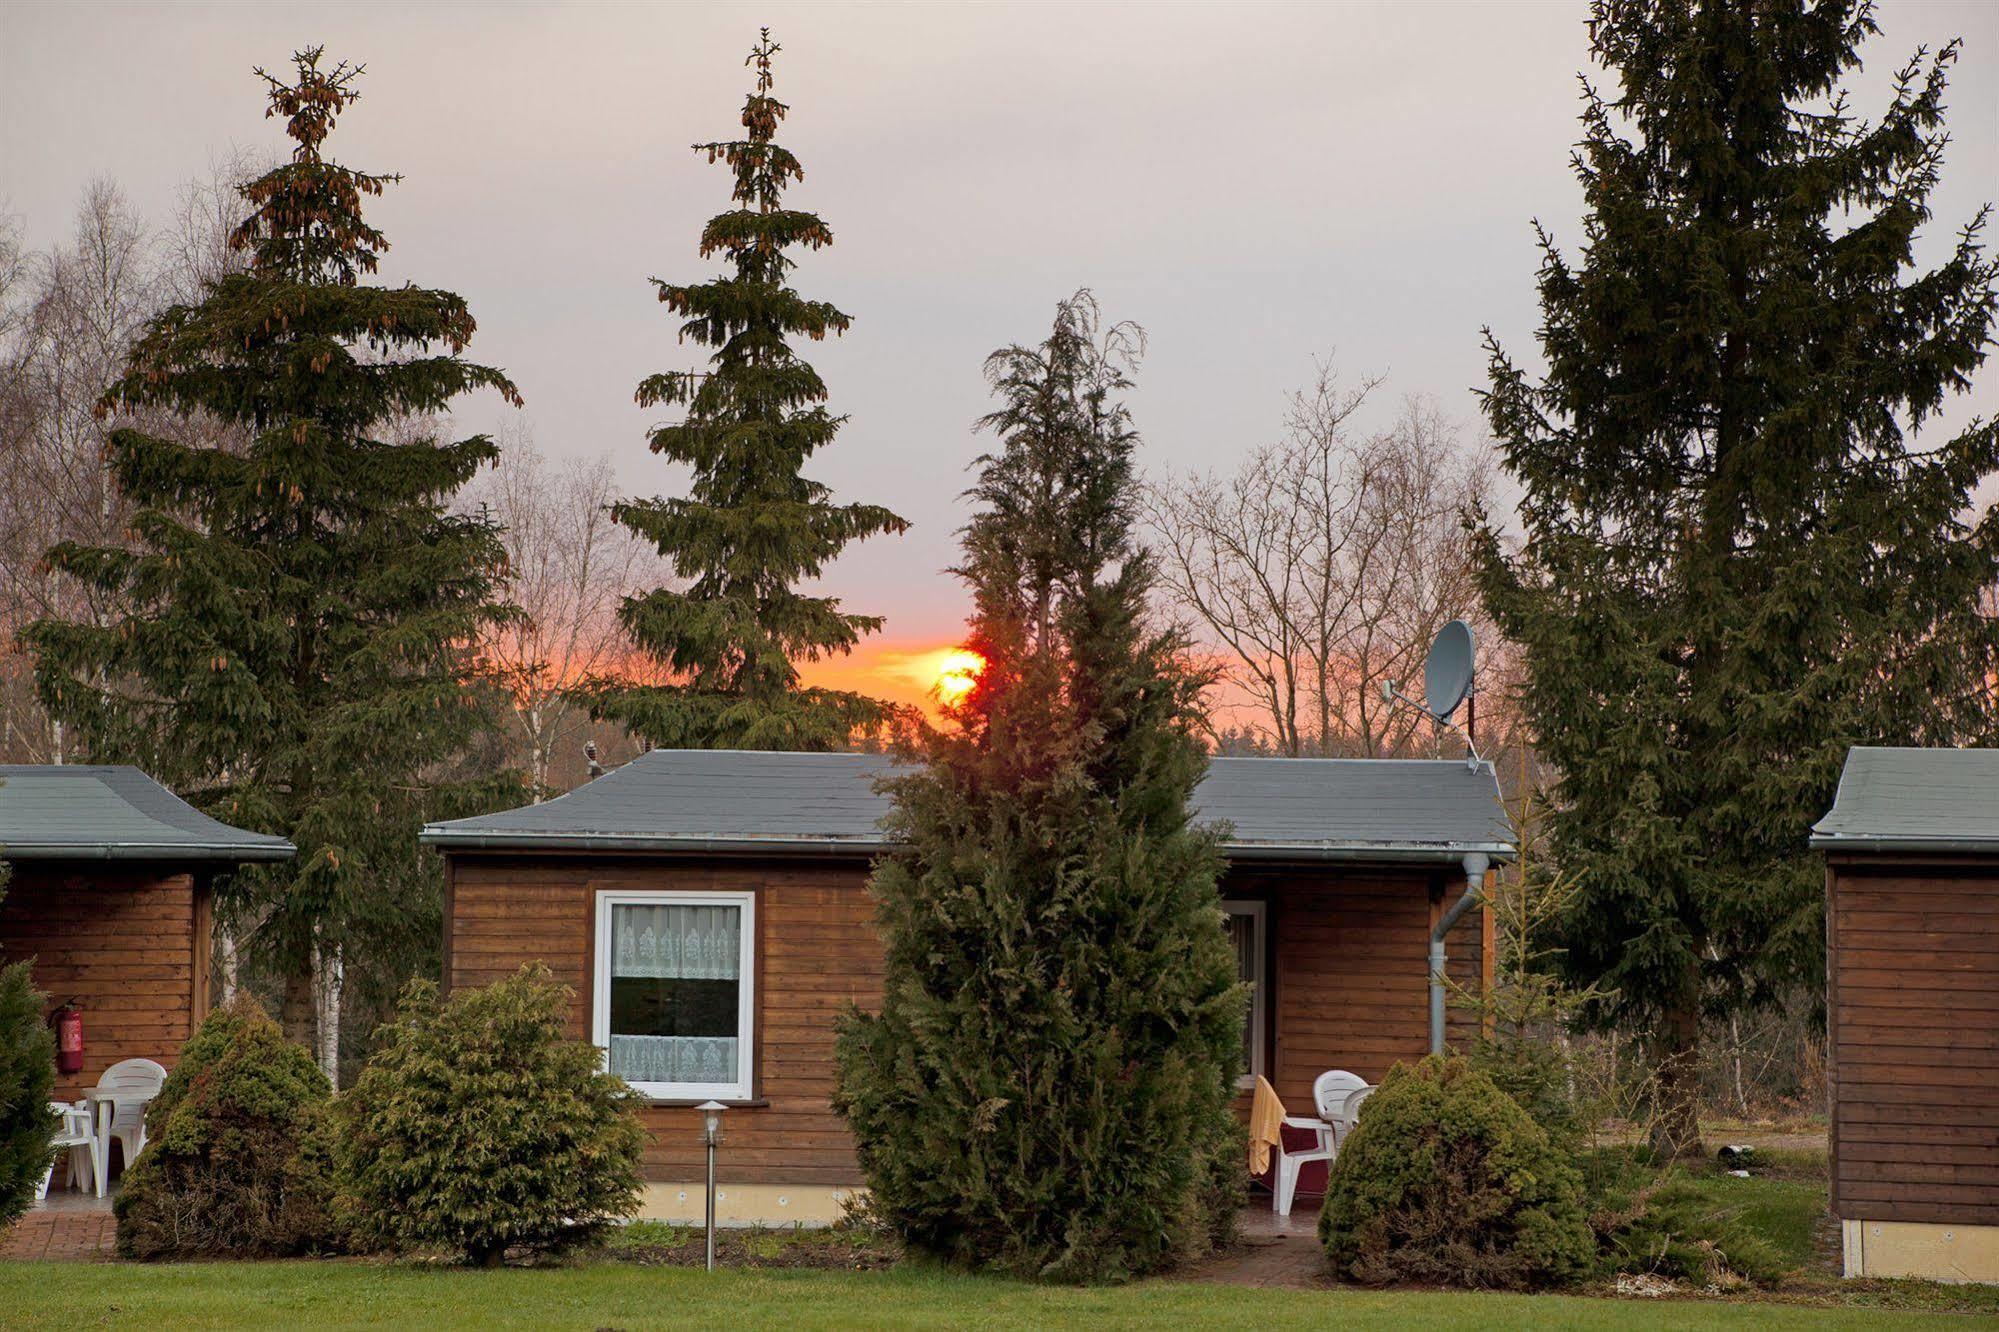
1785, 1212
663, 1243
613, 1295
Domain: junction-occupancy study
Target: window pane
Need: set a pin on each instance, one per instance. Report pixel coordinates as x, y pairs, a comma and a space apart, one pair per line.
675, 986
1243, 941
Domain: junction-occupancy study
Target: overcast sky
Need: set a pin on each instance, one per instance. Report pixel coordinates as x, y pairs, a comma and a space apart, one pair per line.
1257, 186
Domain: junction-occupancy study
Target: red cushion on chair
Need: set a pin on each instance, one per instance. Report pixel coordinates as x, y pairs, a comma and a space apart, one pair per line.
1311, 1175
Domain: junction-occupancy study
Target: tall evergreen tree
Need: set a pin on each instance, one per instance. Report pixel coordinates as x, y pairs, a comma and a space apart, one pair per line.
752, 526
1046, 1088
293, 661
1737, 560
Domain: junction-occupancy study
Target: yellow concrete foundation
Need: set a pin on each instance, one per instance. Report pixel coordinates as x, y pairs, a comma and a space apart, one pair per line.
744, 1204
1921, 1249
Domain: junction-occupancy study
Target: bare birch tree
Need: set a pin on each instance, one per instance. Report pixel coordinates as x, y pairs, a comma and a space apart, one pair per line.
1323, 566
67, 317
569, 567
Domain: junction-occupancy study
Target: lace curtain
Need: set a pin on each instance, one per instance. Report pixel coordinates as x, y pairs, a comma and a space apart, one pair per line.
674, 1058
677, 942
682, 942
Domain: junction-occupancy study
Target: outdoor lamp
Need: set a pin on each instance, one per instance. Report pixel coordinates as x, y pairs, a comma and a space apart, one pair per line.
712, 1119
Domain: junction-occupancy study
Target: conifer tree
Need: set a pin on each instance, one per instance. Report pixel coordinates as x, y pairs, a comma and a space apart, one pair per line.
293, 662
752, 526
1046, 1088
1738, 558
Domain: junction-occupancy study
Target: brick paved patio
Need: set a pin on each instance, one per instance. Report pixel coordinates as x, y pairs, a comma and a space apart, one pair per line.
66, 1228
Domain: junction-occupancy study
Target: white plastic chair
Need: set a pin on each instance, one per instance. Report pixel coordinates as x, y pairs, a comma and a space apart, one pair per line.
75, 1135
1329, 1093
1349, 1114
1331, 1090
132, 1077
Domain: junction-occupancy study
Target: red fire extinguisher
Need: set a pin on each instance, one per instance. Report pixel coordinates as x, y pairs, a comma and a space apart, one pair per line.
68, 1022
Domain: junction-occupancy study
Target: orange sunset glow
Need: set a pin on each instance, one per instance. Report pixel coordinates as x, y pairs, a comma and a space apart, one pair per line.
957, 673
917, 674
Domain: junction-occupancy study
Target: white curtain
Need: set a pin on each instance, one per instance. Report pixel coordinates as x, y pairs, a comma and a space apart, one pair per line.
677, 942
674, 1058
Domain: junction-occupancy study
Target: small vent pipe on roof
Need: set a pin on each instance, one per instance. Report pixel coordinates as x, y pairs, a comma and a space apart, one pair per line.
1475, 865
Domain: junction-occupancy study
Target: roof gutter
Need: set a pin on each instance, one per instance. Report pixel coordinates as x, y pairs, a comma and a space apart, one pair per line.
1941, 845
456, 841
448, 840
144, 851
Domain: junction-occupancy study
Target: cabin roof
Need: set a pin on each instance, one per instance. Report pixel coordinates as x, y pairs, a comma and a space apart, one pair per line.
1942, 800
719, 800
113, 812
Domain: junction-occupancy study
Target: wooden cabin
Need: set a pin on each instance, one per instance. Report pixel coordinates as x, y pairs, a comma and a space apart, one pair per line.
1912, 1011
709, 911
109, 897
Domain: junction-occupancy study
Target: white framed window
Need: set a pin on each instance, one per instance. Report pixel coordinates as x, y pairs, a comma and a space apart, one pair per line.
1246, 940
672, 1003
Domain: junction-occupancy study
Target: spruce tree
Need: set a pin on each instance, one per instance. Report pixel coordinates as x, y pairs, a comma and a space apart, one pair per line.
293, 659
1045, 1090
752, 526
1738, 560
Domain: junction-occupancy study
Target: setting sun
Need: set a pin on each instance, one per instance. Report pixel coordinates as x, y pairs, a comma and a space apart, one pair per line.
957, 672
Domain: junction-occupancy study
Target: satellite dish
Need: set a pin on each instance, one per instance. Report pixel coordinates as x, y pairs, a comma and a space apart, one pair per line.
1447, 674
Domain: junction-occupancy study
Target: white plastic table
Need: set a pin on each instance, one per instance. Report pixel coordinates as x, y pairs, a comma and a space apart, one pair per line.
104, 1108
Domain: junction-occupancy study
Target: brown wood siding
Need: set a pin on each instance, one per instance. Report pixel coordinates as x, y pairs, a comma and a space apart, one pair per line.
123, 944
1912, 997
1351, 969
1349, 973
815, 949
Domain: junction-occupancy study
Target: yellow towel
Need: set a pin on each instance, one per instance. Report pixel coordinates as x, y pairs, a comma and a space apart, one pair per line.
1266, 1126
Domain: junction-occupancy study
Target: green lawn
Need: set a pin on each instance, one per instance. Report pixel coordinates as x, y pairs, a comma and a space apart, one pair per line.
607, 1295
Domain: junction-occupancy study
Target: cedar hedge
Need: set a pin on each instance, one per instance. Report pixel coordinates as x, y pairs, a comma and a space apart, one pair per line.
27, 1080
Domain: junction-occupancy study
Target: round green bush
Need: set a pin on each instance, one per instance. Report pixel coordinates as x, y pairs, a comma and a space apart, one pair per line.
27, 1080
1447, 1181
237, 1160
478, 1127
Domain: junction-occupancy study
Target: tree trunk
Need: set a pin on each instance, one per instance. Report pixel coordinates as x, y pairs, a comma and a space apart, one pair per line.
327, 993
1676, 1122
225, 963
295, 1009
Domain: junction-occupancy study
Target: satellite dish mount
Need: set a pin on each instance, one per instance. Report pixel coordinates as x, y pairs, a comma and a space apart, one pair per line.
1449, 674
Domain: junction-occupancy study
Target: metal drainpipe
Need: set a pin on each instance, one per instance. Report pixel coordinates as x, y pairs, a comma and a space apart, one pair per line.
1475, 866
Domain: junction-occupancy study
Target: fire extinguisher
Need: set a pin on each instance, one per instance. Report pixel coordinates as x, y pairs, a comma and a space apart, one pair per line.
68, 1022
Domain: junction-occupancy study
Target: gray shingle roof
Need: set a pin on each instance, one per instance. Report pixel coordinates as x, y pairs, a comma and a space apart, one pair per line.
678, 799
79, 812
1914, 800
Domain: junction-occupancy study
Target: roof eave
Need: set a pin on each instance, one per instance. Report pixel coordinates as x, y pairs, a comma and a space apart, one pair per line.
1940, 845
145, 851
446, 838
1439, 853
449, 839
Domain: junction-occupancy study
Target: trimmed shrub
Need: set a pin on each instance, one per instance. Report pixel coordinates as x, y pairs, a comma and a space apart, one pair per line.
236, 1162
27, 1081
478, 1127
1446, 1180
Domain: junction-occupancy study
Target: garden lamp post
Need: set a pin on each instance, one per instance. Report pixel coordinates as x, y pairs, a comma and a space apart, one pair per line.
712, 1124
